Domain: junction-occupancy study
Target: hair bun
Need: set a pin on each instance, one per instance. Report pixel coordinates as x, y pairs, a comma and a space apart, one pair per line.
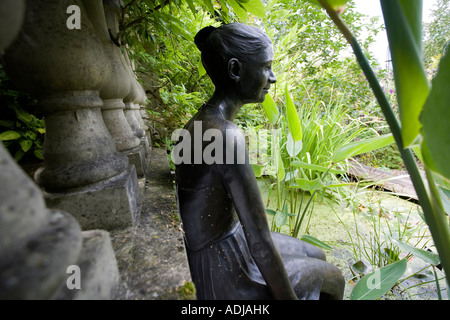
202, 36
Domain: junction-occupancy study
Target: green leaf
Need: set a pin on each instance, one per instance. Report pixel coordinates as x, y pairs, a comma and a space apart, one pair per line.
413, 14
201, 69
426, 256
410, 78
435, 120
293, 148
316, 242
208, 4
7, 124
38, 154
314, 2
293, 120
334, 4
191, 6
18, 155
358, 147
444, 194
23, 115
271, 212
280, 166
26, 145
257, 169
271, 109
378, 282
239, 10
308, 185
281, 218
255, 7
9, 135
305, 165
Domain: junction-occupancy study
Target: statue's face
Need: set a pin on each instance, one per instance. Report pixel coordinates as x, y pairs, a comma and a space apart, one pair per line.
257, 76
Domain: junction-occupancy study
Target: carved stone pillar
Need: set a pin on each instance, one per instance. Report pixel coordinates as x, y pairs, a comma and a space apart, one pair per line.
115, 91
64, 68
134, 124
139, 104
130, 108
143, 116
38, 245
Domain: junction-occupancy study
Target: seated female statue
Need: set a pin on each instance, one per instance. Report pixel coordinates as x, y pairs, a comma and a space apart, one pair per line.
231, 251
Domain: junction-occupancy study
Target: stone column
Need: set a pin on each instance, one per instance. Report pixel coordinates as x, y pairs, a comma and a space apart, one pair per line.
38, 245
64, 68
140, 104
144, 116
129, 111
115, 91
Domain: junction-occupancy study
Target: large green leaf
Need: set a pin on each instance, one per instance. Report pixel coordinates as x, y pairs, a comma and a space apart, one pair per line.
358, 147
435, 120
413, 13
378, 282
271, 109
293, 120
410, 78
308, 185
293, 148
9, 135
426, 256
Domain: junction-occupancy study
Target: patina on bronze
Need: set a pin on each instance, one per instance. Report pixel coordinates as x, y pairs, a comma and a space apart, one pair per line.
231, 251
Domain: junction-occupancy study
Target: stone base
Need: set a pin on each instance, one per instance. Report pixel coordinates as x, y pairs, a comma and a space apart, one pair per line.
110, 204
151, 256
146, 146
138, 158
35, 267
99, 274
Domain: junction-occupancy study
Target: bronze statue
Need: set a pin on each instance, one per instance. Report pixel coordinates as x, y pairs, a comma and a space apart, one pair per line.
231, 251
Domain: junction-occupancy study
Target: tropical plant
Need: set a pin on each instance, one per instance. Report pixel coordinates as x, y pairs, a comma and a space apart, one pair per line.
423, 123
309, 150
21, 132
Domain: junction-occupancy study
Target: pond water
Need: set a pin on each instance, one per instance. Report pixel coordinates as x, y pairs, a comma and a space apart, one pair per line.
360, 234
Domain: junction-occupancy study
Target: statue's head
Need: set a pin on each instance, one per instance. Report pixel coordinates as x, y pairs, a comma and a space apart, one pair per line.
237, 56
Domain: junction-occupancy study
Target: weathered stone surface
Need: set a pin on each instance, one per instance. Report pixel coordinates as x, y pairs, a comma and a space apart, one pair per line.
36, 244
109, 204
35, 267
64, 72
118, 85
47, 57
138, 158
99, 276
11, 18
78, 148
151, 255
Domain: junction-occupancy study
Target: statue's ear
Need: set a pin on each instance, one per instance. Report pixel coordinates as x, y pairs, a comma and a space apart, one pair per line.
234, 69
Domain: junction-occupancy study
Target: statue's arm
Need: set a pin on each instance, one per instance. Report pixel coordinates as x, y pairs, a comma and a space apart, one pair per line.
241, 184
